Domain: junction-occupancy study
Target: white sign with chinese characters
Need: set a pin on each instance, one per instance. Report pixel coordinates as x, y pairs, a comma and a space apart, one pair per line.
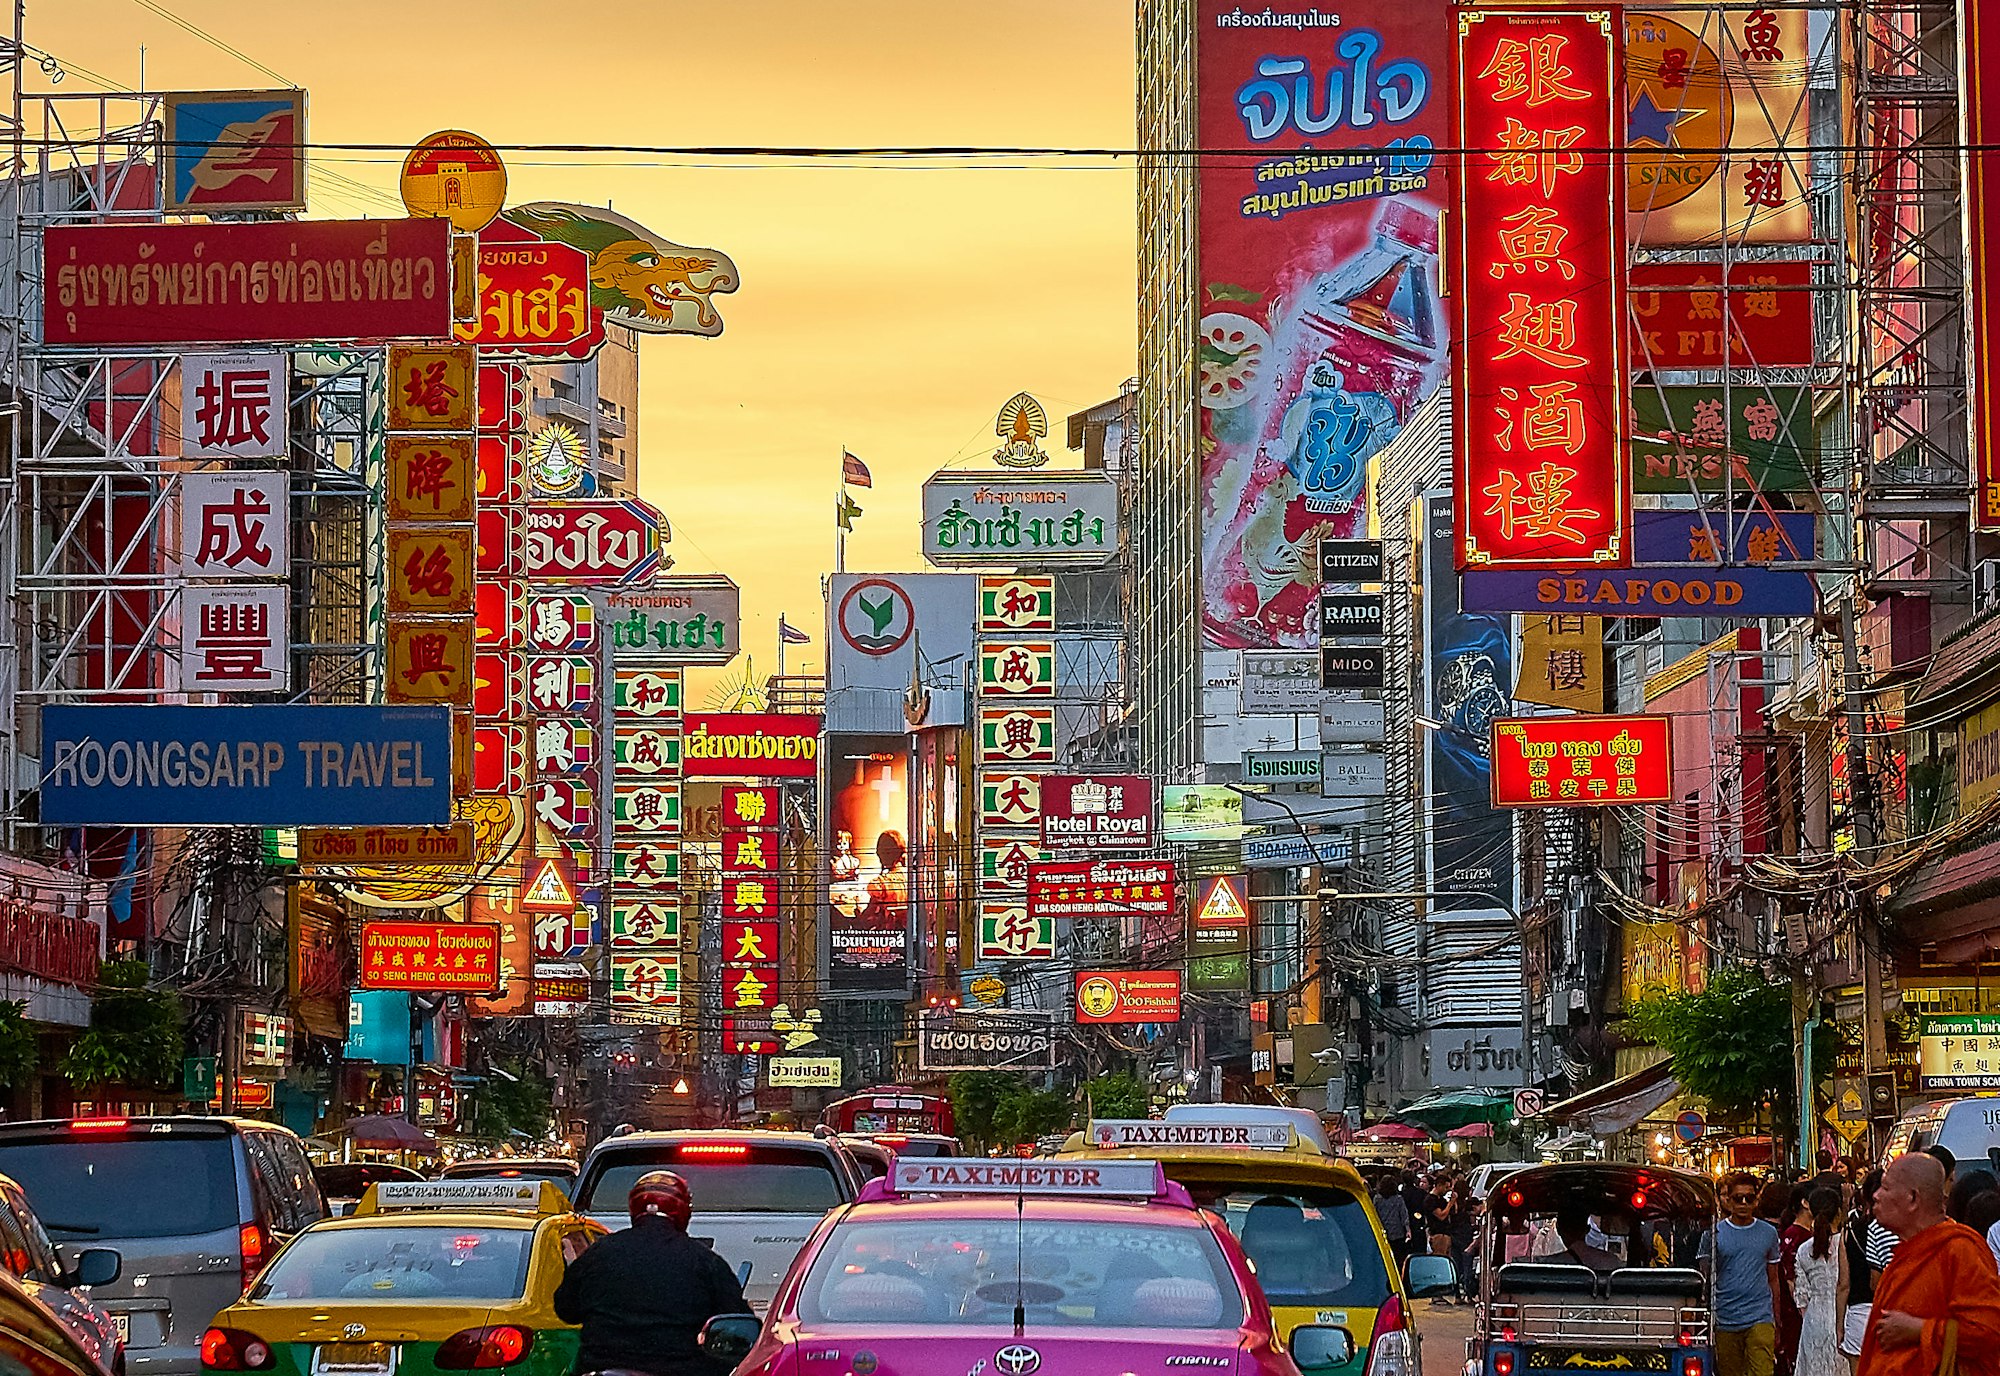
236, 638
233, 406
236, 524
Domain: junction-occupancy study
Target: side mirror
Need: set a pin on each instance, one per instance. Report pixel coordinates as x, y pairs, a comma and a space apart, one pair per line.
1425, 1275
1321, 1347
97, 1266
729, 1337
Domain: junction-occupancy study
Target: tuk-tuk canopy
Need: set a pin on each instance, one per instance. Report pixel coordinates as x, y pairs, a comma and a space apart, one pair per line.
1605, 1187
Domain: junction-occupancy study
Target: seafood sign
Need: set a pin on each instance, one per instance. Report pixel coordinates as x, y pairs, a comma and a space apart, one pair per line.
276, 282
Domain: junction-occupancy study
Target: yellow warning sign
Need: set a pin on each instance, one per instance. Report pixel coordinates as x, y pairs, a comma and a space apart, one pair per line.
548, 891
1223, 905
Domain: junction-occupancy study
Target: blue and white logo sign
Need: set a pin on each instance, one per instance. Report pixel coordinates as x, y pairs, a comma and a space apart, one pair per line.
254, 766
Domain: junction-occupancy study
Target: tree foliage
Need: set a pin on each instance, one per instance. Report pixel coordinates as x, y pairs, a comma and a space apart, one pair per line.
1732, 1042
1120, 1095
20, 1046
998, 1108
135, 1035
523, 1104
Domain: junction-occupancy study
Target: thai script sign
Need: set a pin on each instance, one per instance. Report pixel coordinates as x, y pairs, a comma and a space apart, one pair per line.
463, 957
803, 1072
1051, 518
1280, 682
771, 745
534, 299
1582, 761
695, 620
377, 846
1102, 888
1281, 767
1960, 1052
1678, 572
276, 282
1703, 439
1978, 759
986, 1041
264, 766
1128, 996
1097, 812
575, 542
1538, 379
1688, 315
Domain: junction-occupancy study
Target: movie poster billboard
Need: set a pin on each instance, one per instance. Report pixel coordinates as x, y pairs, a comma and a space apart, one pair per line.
1468, 672
868, 870
1317, 298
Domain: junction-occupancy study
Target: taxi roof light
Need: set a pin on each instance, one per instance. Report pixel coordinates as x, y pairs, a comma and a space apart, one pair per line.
1155, 1132
523, 1196
1045, 1179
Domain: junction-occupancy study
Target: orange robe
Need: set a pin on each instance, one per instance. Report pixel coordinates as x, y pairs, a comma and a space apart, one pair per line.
1944, 1272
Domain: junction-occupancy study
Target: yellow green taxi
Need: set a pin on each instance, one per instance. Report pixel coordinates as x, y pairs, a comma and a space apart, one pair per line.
1304, 1219
425, 1276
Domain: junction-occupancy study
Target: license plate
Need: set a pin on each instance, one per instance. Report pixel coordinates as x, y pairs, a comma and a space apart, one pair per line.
355, 1359
121, 1324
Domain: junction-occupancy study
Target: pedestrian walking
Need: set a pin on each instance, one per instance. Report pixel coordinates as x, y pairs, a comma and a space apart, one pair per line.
1937, 1305
1742, 1252
1818, 1271
1857, 1280
1394, 1215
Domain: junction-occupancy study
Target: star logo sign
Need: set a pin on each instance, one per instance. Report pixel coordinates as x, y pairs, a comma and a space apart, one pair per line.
1650, 122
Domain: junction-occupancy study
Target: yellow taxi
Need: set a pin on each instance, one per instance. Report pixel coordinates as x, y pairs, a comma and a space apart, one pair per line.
1304, 1219
425, 1276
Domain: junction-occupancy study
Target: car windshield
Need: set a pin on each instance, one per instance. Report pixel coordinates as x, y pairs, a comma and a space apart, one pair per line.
764, 1181
419, 1262
1311, 1246
109, 1187
960, 1272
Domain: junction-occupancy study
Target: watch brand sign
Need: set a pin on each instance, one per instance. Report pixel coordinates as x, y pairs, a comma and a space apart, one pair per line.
1097, 812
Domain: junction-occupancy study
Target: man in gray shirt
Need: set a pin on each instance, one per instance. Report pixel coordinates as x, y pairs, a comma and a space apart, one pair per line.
1743, 1253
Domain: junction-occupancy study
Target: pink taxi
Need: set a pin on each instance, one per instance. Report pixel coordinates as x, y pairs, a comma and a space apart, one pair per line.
1009, 1268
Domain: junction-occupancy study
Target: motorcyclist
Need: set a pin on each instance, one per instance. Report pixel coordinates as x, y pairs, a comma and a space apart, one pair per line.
641, 1296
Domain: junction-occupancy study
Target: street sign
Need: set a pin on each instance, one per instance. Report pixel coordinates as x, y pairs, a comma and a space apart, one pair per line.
1350, 666
1690, 1126
589, 541
1527, 1103
256, 766
198, 1079
1350, 561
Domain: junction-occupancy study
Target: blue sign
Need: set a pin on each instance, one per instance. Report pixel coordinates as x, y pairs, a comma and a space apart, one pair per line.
378, 1026
252, 766
1677, 571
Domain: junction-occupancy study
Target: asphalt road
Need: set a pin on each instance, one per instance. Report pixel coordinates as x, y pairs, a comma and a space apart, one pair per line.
1442, 1330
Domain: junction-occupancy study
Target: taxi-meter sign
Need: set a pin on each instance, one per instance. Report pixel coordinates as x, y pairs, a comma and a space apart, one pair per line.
975, 1175
457, 1194
1148, 1132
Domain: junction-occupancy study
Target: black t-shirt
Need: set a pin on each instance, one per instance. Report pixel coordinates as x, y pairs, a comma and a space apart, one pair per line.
1860, 1275
641, 1297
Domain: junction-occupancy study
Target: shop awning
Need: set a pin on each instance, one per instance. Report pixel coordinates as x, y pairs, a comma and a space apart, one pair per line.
1454, 1108
1393, 1132
1614, 1107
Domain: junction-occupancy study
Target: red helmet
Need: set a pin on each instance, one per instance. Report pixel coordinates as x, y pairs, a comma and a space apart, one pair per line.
662, 1193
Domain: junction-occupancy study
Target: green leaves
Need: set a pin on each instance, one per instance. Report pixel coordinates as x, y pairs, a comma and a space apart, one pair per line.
1121, 1095
1229, 291
1731, 1042
135, 1036
997, 1107
20, 1048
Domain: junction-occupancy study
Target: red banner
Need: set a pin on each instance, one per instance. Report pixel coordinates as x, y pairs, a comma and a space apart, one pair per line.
770, 745
1128, 996
1102, 888
1582, 761
751, 911
48, 945
1538, 359
1683, 316
270, 282
1979, 92
462, 957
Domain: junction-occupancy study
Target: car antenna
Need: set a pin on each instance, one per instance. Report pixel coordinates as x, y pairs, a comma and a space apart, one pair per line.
1020, 1294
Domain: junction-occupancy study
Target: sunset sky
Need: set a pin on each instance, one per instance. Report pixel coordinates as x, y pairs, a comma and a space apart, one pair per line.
887, 309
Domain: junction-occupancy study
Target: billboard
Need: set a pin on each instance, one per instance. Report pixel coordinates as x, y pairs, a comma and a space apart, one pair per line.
259, 282
253, 766
986, 1041
765, 745
868, 883
675, 620
1280, 683
459, 957
1582, 761
1694, 315
1097, 812
1035, 520
232, 151
1467, 668
1711, 439
1678, 571
1320, 326
1103, 888
1128, 996
1538, 367
886, 630
1979, 103
1200, 812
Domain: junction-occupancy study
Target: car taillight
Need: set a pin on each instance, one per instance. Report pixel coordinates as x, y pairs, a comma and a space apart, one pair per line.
99, 1124
1503, 1364
231, 1349
1690, 1366
712, 1149
1390, 1353
472, 1349
256, 1250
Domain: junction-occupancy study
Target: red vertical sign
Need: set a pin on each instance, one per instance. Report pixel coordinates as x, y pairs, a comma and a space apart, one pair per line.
751, 915
1538, 357
1979, 93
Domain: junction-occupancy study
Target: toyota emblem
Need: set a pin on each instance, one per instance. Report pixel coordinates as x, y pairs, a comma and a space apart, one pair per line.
353, 1330
1017, 1360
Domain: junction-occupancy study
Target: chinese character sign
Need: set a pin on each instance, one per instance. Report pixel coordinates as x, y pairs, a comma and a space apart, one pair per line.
752, 913
1540, 340
236, 525
235, 638
1980, 95
1582, 761
233, 406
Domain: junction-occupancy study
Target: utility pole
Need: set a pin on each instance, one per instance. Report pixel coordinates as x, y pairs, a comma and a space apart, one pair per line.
1861, 813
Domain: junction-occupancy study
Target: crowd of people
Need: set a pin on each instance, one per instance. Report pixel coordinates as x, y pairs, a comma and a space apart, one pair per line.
1433, 1211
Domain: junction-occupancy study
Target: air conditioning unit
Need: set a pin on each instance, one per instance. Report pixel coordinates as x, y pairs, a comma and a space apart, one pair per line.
1986, 584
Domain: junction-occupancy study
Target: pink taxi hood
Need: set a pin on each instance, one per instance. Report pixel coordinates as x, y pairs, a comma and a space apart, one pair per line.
913, 1351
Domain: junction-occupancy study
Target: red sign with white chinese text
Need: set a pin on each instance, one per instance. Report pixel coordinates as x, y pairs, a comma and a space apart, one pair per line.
277, 282
460, 956
751, 911
1980, 93
1582, 761
1538, 355
1117, 889
1683, 316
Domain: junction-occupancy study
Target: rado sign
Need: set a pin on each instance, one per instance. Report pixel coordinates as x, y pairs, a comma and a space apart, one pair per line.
1350, 613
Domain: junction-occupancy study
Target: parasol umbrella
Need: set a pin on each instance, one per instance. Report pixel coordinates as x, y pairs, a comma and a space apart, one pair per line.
1472, 1130
383, 1133
1454, 1108
1393, 1132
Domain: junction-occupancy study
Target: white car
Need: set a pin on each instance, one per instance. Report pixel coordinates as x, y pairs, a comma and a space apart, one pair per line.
1484, 1178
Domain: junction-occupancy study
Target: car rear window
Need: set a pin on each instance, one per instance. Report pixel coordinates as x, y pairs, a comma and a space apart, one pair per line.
85, 1187
420, 1262
1312, 1246
970, 1272
759, 1180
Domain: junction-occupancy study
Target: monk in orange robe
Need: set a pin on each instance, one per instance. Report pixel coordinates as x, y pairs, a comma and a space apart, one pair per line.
1943, 1271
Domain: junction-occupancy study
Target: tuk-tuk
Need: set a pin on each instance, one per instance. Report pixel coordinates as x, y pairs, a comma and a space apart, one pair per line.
1594, 1265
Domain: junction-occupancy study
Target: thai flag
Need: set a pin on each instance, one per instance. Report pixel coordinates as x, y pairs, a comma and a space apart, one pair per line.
853, 472
791, 635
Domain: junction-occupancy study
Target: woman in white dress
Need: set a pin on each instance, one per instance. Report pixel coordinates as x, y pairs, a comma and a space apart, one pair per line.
1819, 1274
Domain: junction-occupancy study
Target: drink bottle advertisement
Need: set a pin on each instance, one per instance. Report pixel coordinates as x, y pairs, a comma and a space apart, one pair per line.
1320, 324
